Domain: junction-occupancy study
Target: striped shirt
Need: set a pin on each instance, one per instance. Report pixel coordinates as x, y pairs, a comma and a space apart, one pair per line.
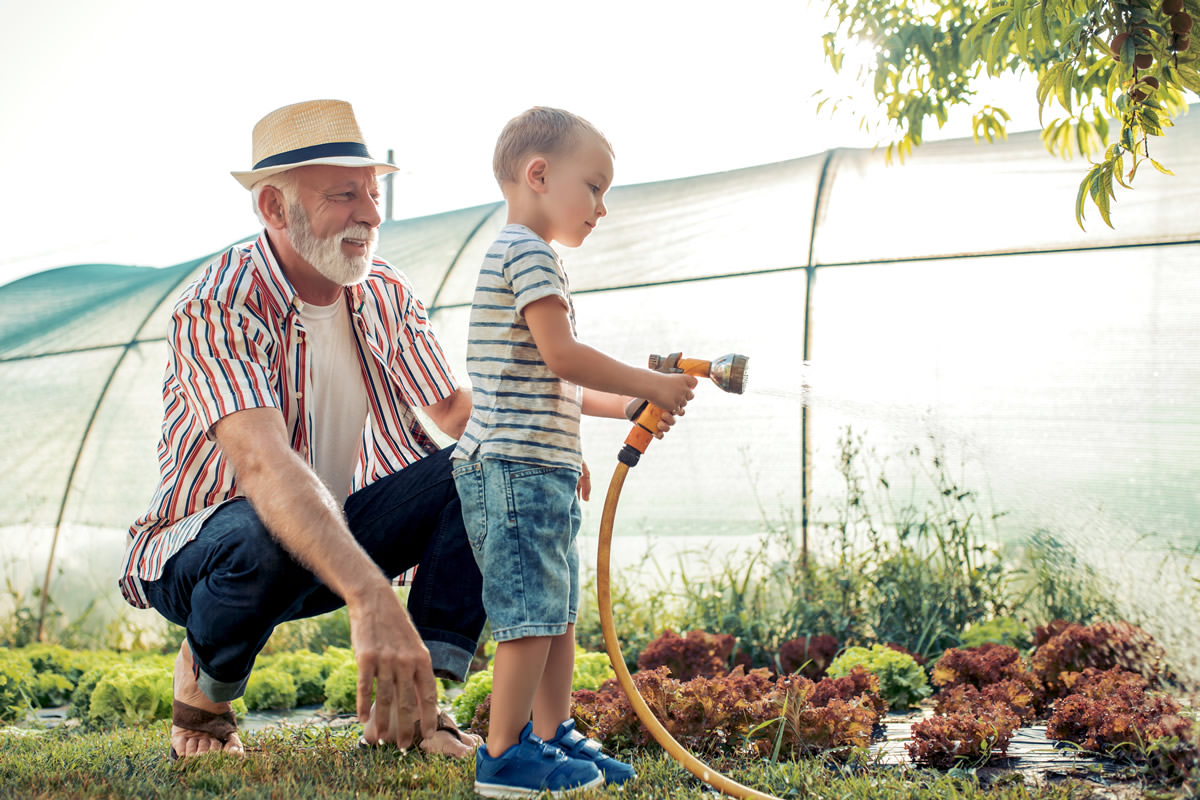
522, 411
237, 342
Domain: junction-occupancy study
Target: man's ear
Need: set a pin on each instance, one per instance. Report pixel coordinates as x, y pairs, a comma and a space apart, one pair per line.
271, 205
535, 173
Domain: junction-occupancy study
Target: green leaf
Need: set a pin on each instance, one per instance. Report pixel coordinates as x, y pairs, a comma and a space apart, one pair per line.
1085, 188
1041, 31
1063, 87
1046, 84
1101, 192
1118, 169
1160, 167
1189, 77
998, 47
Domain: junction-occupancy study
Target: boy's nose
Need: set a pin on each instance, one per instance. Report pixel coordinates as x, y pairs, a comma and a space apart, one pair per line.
601, 209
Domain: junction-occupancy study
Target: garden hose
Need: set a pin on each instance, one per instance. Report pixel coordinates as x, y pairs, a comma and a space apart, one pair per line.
631, 452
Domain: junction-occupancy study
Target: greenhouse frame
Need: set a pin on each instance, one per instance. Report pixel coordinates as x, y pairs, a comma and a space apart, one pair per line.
947, 305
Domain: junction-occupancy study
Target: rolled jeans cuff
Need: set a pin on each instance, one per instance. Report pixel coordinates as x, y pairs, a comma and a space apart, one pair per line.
449, 661
220, 691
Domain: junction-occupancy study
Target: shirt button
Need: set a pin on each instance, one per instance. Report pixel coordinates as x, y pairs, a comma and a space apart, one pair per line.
299, 395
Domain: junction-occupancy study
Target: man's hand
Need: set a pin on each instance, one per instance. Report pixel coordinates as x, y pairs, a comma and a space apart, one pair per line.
394, 662
298, 510
452, 413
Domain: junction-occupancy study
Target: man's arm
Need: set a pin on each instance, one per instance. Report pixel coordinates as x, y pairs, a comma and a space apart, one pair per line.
303, 516
450, 414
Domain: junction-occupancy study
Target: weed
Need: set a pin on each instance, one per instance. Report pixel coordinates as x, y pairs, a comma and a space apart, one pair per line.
1051, 582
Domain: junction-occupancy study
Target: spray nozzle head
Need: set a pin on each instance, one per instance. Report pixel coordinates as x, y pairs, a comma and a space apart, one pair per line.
730, 372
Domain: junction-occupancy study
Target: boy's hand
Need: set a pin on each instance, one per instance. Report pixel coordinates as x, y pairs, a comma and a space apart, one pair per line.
584, 489
671, 393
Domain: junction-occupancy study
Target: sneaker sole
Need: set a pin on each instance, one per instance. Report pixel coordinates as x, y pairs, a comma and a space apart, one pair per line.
498, 790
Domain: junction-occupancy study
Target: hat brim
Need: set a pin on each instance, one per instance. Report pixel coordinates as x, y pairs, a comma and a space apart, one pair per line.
251, 177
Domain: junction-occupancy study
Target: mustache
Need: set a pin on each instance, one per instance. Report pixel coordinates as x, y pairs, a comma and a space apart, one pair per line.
361, 232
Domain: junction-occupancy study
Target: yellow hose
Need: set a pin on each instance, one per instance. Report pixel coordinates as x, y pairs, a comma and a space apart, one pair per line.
693, 765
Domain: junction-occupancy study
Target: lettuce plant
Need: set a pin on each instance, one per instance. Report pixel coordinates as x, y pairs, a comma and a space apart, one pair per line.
808, 655
131, 694
16, 689
739, 714
592, 670
308, 670
1070, 647
965, 738
1000, 630
902, 682
1114, 712
270, 688
341, 688
697, 653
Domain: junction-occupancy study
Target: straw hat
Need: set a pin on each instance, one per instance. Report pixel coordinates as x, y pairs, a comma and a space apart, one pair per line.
315, 132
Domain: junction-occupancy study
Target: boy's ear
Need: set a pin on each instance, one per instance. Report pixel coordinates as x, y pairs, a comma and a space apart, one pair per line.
535, 173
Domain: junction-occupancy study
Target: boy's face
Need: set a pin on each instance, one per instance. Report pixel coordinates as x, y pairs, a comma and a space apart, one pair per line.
576, 182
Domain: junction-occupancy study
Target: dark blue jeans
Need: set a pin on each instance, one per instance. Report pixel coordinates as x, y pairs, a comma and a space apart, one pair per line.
234, 583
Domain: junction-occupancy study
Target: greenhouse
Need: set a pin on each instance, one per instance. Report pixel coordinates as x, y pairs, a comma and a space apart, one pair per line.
942, 315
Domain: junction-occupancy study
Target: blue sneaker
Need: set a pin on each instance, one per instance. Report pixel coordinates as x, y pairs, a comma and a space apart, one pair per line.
576, 745
531, 767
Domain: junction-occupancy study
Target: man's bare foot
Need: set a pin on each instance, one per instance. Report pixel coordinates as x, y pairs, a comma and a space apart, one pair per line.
456, 743
188, 743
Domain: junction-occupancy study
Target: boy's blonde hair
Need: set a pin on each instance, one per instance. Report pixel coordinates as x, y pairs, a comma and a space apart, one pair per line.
539, 130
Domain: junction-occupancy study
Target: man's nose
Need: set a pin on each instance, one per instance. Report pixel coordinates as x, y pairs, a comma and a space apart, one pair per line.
368, 211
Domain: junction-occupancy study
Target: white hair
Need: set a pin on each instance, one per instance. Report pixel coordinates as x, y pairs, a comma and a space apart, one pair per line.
284, 181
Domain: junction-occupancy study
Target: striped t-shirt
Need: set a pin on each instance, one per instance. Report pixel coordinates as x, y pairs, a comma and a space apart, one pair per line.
521, 410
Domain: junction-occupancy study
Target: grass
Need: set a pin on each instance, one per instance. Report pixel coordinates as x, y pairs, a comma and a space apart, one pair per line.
912, 567
325, 763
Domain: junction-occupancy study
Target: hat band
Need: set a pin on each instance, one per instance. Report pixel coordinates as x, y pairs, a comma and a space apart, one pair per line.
327, 150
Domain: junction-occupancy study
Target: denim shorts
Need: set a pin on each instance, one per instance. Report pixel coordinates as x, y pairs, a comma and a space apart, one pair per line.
522, 521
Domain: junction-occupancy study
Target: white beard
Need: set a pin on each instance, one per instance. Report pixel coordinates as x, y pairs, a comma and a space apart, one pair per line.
325, 255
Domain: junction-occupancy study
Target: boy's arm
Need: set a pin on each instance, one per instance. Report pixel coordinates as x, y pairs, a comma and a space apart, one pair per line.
574, 361
607, 404
604, 404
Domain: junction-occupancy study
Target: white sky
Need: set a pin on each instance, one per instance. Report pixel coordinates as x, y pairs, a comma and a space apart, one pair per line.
123, 118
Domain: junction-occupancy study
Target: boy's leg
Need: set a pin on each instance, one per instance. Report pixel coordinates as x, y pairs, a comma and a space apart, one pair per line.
522, 520
517, 672
552, 703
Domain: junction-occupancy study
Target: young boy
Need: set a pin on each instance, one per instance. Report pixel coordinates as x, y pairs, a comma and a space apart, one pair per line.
518, 467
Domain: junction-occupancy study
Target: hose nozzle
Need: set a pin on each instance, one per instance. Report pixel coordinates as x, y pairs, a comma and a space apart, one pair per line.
728, 372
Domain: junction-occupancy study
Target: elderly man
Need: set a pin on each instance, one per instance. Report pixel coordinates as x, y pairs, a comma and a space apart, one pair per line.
295, 476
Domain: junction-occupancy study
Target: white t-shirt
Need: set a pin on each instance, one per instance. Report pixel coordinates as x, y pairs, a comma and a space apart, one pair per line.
338, 398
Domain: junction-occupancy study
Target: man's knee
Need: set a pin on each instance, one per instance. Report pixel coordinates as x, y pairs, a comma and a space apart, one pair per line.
244, 564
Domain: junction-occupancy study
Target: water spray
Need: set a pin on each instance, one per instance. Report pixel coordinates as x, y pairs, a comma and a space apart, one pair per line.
729, 373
